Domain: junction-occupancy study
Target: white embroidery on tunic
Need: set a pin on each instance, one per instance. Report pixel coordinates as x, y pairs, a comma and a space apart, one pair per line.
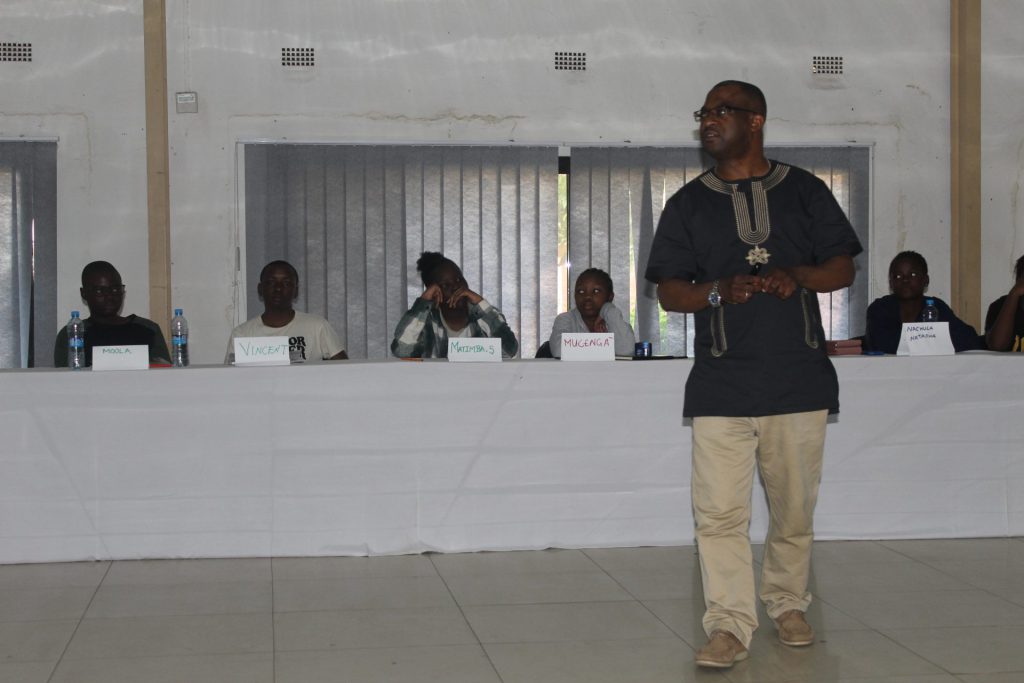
753, 234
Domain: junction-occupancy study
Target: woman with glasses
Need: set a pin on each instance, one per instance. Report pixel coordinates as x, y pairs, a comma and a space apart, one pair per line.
908, 281
103, 292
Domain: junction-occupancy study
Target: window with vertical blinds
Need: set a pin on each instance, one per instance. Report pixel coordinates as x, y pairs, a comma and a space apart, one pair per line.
353, 219
28, 253
615, 198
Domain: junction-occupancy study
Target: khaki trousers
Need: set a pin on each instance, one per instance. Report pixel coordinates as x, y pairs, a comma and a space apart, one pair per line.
788, 451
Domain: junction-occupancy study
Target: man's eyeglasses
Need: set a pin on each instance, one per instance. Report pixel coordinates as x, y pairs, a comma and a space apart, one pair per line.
720, 111
106, 291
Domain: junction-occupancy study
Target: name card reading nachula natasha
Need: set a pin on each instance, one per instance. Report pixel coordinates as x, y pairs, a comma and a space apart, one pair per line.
126, 357
925, 339
588, 346
261, 351
474, 350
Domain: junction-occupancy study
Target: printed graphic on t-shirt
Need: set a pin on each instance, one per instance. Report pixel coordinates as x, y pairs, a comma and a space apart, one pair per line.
297, 349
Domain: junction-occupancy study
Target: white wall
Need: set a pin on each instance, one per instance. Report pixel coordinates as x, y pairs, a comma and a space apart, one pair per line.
481, 71
84, 88
1002, 145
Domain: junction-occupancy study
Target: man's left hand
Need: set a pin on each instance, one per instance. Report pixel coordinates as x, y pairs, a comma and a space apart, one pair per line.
780, 283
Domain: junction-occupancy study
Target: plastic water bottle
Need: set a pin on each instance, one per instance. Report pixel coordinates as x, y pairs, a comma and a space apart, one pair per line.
179, 340
929, 314
76, 342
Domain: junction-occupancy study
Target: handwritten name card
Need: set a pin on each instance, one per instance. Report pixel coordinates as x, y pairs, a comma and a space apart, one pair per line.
127, 357
925, 339
251, 351
474, 350
588, 346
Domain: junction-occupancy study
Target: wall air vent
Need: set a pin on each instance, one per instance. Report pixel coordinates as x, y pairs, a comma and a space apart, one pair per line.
827, 66
570, 61
297, 56
15, 52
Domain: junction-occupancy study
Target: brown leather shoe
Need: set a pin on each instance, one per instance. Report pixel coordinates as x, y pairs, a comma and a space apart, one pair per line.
794, 629
721, 652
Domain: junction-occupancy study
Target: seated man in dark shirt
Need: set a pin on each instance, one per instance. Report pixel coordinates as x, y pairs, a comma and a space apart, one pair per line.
908, 280
103, 292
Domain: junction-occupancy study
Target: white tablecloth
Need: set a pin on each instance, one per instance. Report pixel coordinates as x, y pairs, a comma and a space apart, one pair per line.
396, 457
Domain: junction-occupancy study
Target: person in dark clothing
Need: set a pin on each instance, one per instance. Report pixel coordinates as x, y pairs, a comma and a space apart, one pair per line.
908, 280
1004, 324
746, 247
103, 292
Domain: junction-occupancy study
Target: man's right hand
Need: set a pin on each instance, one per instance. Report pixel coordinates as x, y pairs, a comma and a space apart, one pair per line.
739, 289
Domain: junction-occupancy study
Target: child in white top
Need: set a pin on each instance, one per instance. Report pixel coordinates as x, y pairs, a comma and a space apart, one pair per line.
594, 312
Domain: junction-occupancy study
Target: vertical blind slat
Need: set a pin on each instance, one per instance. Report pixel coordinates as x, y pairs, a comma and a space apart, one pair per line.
376, 301
335, 220
396, 252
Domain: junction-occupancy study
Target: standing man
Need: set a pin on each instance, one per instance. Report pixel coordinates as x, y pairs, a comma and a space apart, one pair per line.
745, 247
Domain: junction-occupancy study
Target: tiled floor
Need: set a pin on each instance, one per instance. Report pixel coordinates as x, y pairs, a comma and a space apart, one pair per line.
886, 612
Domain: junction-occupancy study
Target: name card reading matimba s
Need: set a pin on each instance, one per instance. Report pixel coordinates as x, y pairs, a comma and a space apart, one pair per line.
588, 346
262, 351
474, 350
122, 357
925, 339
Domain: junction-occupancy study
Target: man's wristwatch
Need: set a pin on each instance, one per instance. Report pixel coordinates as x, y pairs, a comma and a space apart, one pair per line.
714, 296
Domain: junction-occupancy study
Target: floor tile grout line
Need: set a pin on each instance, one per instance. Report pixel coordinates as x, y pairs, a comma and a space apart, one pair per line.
913, 652
973, 586
893, 640
99, 584
469, 625
641, 603
883, 543
824, 599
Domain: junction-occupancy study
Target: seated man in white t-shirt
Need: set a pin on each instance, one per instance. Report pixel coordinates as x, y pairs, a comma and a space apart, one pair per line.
311, 339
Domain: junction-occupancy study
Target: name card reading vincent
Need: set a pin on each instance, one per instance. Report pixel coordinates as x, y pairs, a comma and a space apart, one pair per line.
474, 350
588, 346
261, 351
126, 357
925, 339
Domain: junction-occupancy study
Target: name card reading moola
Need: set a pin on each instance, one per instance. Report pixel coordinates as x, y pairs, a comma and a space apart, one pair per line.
120, 357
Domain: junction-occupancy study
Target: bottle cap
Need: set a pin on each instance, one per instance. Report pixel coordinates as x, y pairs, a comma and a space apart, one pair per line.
74, 314
177, 311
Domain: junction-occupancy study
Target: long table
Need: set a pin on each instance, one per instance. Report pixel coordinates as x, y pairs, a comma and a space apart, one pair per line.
363, 458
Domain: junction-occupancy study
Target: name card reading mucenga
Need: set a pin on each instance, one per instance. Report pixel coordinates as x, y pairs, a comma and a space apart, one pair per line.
474, 350
925, 339
250, 351
588, 346
120, 357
